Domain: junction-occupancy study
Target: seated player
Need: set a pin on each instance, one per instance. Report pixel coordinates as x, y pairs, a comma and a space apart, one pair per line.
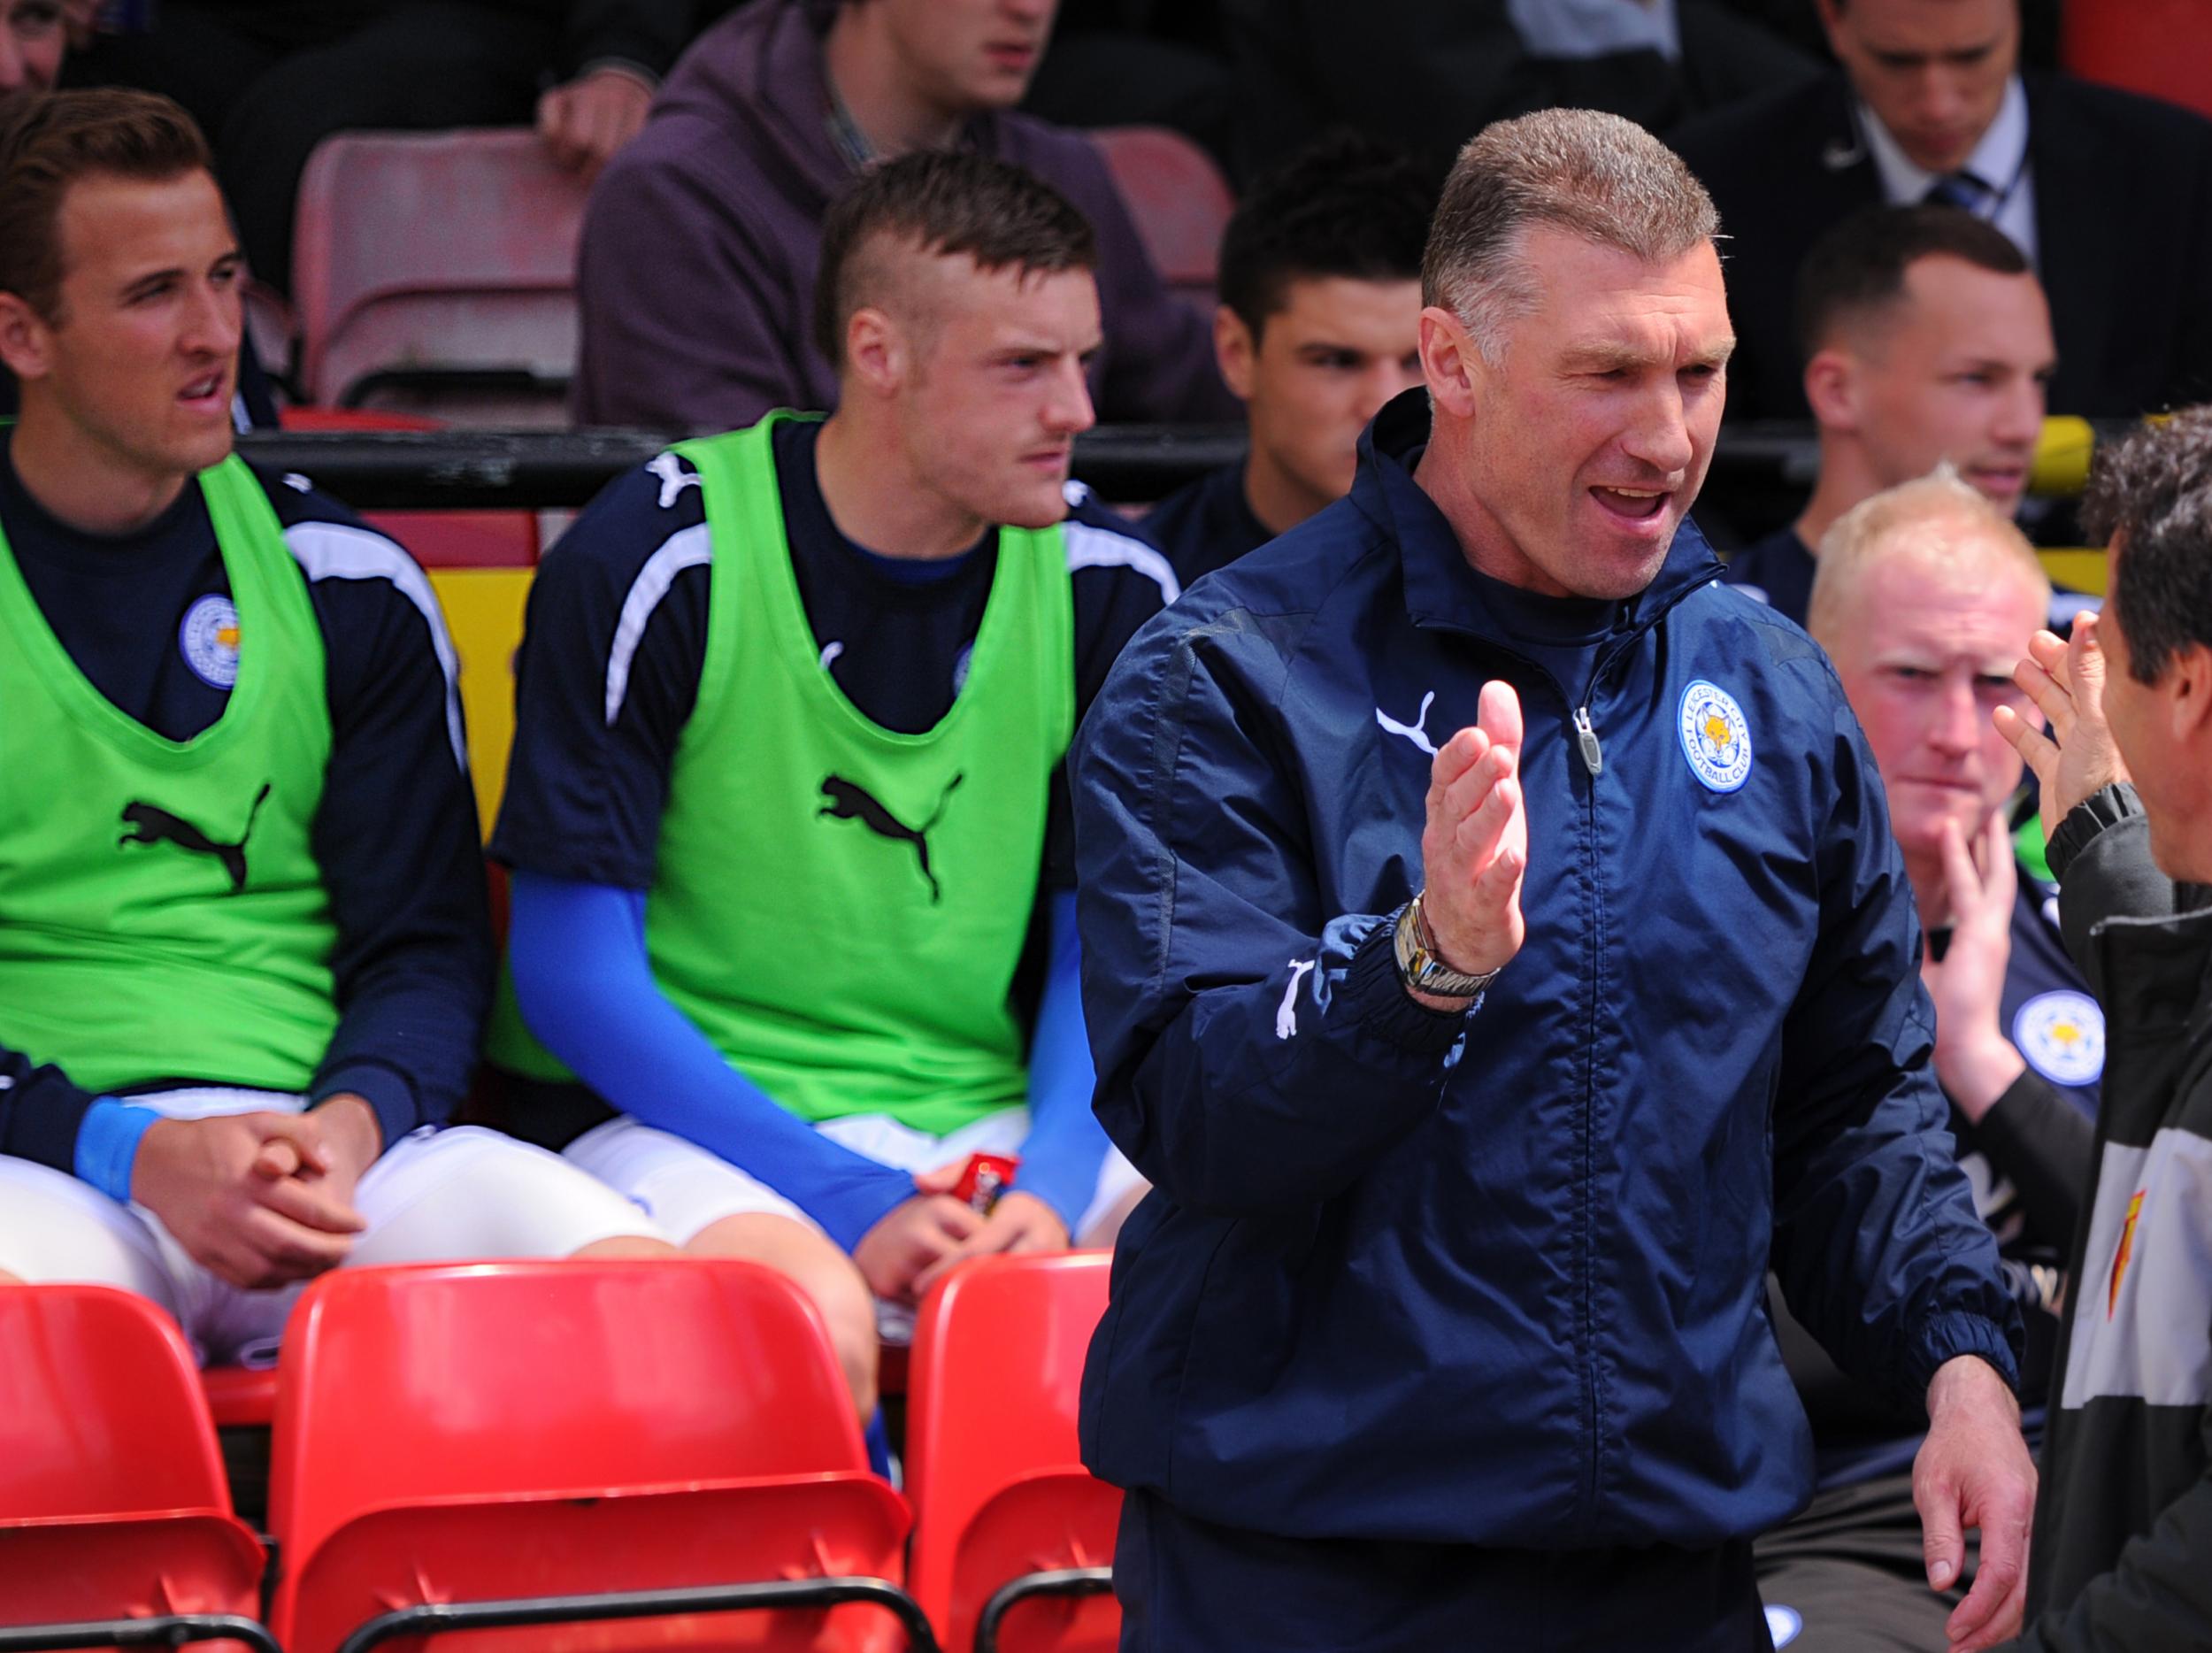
1925, 597
243, 949
1320, 295
787, 811
1925, 338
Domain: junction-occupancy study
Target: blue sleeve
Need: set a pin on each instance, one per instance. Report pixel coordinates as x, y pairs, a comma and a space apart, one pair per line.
585, 985
107, 1145
1066, 1145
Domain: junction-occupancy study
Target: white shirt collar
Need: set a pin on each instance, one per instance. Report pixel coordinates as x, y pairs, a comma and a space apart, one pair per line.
1998, 159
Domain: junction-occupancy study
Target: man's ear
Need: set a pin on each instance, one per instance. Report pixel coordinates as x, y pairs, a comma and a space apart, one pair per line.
1235, 349
878, 356
25, 341
2188, 687
1453, 367
1833, 385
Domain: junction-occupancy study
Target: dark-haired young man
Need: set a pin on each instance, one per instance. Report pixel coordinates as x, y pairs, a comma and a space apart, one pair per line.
1320, 295
785, 810
243, 949
2126, 780
1925, 339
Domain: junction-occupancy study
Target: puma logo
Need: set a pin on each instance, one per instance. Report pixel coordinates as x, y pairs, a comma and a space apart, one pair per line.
1415, 730
849, 801
674, 478
150, 824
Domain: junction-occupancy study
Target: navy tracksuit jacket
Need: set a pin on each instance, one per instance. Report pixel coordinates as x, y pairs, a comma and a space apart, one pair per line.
1497, 1279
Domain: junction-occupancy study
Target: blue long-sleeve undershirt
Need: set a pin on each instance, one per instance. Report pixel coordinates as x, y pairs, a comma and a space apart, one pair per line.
584, 983
1066, 1144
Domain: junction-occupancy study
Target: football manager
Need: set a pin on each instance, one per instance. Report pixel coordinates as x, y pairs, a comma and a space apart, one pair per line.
1496, 956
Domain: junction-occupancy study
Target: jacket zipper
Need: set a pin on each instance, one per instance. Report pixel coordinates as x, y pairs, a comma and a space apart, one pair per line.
1593, 754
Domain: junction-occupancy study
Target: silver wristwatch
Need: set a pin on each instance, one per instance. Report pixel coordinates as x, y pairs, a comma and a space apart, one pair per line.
1420, 968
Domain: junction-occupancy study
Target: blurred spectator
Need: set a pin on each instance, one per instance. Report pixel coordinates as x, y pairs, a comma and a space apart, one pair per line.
696, 273
1427, 75
2108, 195
1924, 339
269, 79
1925, 597
1317, 328
2126, 777
31, 36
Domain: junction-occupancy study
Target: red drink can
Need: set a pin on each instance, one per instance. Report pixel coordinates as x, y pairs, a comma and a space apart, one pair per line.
984, 1177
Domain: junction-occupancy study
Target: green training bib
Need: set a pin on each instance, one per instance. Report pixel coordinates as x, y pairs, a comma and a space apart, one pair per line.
161, 912
839, 908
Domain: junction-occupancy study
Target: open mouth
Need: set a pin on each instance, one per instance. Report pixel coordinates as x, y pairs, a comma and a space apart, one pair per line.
206, 389
1632, 504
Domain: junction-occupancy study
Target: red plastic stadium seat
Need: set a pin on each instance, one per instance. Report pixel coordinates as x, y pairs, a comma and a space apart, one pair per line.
240, 1396
112, 1502
447, 258
2160, 48
438, 539
1000, 1492
1179, 198
502, 1432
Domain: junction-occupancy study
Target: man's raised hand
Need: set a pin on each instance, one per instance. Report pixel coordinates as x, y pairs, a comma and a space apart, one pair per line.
1474, 850
2076, 757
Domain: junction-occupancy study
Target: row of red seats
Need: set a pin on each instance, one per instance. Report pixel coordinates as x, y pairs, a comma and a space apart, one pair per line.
566, 1457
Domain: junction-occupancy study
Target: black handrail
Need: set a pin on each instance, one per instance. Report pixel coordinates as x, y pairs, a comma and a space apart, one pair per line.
435, 1617
169, 1630
1056, 1581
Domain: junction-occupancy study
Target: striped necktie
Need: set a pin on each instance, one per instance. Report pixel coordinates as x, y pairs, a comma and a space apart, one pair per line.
1959, 189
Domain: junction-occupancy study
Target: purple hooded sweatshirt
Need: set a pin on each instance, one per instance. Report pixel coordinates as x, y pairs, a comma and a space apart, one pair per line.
696, 272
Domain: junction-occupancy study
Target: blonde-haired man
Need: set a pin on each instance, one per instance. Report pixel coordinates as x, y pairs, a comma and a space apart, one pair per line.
1924, 594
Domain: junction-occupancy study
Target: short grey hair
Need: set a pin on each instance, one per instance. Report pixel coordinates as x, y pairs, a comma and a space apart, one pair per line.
1592, 175
1902, 521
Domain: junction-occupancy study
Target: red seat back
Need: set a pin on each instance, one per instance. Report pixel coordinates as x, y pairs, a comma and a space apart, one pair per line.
2160, 48
997, 1483
113, 1500
450, 252
1178, 196
489, 1431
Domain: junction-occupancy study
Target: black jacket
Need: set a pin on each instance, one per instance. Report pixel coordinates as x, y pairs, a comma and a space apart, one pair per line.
2123, 1554
2123, 223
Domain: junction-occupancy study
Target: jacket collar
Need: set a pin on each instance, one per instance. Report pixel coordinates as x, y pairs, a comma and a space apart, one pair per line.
1439, 587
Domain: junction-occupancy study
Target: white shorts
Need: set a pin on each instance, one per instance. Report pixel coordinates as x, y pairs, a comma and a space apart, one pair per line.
506, 1199
684, 1188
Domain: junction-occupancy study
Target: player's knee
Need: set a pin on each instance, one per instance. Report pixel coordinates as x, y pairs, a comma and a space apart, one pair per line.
849, 1308
810, 1259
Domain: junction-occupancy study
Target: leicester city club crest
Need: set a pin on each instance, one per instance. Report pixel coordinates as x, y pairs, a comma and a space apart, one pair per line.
1715, 737
2061, 1035
209, 638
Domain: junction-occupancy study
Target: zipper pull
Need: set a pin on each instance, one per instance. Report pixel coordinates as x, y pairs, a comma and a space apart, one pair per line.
1593, 754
